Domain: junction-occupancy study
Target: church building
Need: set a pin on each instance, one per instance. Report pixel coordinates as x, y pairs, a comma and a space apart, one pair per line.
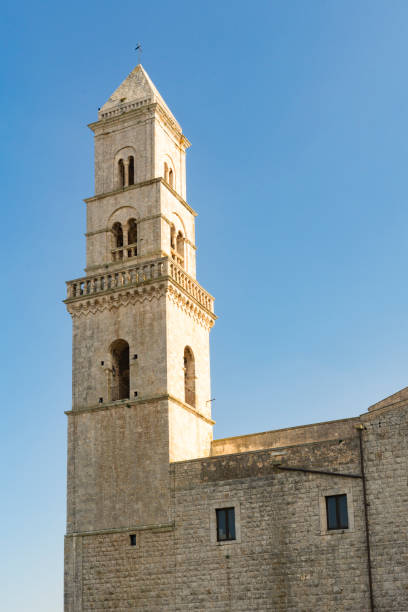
161, 517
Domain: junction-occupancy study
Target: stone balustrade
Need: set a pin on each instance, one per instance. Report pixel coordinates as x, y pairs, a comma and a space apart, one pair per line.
134, 275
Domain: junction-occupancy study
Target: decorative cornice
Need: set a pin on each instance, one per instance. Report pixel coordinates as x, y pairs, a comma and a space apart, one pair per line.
115, 298
152, 181
138, 283
128, 403
190, 307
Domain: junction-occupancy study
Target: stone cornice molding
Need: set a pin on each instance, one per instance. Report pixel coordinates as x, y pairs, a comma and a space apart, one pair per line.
138, 220
130, 110
150, 290
140, 282
152, 181
128, 403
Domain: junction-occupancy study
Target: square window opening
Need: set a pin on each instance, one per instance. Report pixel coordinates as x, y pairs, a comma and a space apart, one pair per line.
225, 524
336, 511
132, 539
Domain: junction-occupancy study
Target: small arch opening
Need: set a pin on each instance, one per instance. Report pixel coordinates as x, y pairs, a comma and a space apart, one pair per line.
180, 249
131, 160
172, 237
132, 238
121, 168
120, 382
166, 172
117, 235
189, 377
171, 178
117, 232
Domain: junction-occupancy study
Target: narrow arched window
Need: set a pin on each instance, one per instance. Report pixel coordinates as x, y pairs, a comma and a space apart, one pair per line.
180, 249
132, 238
121, 170
172, 237
117, 246
118, 235
171, 177
131, 170
189, 377
120, 382
166, 172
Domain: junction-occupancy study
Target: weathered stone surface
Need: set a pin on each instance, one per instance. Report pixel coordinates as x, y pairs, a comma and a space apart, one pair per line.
145, 465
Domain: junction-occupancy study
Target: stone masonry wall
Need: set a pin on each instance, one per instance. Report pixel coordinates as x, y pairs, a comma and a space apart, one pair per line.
283, 558
386, 464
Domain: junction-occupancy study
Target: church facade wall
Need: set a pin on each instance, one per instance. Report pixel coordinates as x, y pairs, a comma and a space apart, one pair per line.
283, 558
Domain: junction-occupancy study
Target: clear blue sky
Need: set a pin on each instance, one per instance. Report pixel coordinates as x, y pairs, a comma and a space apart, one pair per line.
297, 112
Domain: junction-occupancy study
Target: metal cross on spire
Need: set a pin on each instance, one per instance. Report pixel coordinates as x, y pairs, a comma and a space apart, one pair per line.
139, 50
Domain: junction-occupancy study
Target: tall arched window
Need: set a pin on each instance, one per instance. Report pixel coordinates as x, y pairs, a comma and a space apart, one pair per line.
117, 250
120, 383
121, 169
171, 177
172, 237
132, 238
166, 172
131, 160
189, 377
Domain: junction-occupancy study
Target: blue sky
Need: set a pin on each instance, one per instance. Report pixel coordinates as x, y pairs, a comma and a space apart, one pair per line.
297, 113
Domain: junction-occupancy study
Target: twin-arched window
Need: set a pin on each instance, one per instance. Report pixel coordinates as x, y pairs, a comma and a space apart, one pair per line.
177, 245
124, 240
126, 171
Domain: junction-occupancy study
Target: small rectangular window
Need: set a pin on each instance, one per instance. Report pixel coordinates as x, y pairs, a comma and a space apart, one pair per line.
225, 524
336, 508
132, 539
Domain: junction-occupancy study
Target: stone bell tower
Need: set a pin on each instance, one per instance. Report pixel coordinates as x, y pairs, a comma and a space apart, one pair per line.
141, 322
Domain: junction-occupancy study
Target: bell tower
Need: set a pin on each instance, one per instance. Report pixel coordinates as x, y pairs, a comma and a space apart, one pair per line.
141, 323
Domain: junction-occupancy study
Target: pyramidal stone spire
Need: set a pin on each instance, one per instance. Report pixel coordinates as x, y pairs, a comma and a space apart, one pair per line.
135, 91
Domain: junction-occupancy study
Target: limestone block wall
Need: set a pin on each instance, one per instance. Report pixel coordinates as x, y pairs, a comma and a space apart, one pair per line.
168, 149
290, 436
136, 131
183, 220
189, 437
140, 203
386, 452
183, 330
283, 558
118, 467
103, 572
142, 324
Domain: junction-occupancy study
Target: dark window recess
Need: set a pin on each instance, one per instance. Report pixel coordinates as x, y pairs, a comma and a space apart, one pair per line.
102, 363
135, 393
225, 524
132, 538
101, 400
337, 515
134, 356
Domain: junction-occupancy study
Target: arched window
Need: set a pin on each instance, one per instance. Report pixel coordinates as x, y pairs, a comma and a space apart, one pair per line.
117, 250
120, 384
172, 237
189, 377
131, 160
180, 249
121, 167
132, 238
166, 172
171, 177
